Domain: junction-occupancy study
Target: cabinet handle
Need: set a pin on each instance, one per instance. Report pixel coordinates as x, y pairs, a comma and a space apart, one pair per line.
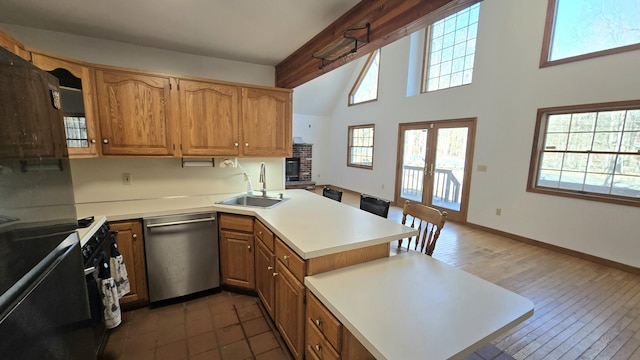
235, 144
134, 236
106, 141
259, 232
93, 141
269, 267
318, 322
249, 247
318, 347
275, 274
246, 144
286, 257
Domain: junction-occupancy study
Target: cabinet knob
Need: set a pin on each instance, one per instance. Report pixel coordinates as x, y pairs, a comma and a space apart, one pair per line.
134, 236
235, 144
318, 322
249, 247
269, 267
318, 347
275, 274
286, 257
93, 141
106, 141
259, 232
246, 144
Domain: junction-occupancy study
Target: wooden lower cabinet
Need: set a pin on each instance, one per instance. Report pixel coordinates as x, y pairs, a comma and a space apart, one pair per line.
265, 280
289, 306
131, 246
237, 259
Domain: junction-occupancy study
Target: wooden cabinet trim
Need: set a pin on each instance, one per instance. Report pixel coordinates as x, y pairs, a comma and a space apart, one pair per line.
243, 223
346, 258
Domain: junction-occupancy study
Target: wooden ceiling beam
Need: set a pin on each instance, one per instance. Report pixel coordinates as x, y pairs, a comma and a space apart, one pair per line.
389, 21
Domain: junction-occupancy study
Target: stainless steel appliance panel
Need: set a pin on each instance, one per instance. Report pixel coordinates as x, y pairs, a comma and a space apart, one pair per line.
182, 254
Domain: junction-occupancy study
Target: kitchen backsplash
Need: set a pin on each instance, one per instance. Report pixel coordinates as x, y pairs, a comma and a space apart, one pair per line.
97, 180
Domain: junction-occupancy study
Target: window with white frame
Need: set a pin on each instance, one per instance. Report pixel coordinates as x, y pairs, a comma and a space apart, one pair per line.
360, 147
450, 50
365, 88
588, 151
580, 29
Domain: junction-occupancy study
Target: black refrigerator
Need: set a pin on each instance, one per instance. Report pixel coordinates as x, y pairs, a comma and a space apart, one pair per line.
44, 309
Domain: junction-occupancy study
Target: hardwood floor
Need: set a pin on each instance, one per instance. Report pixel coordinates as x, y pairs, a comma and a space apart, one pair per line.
583, 310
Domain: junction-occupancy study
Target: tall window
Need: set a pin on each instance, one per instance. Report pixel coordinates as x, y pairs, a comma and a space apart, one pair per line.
450, 50
580, 29
366, 87
361, 146
588, 151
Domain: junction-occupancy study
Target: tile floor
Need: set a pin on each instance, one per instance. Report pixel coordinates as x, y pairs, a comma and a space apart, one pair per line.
222, 326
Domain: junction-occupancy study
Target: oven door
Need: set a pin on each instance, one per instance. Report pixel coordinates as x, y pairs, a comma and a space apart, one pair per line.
96, 307
50, 320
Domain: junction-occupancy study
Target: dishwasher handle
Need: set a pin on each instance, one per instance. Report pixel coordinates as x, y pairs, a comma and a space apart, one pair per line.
181, 222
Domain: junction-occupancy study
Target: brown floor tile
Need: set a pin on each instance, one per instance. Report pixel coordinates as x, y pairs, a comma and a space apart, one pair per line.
199, 327
221, 307
263, 342
209, 355
223, 320
202, 343
174, 351
275, 354
170, 319
144, 341
240, 300
168, 335
139, 326
198, 313
229, 334
138, 354
255, 326
248, 312
236, 351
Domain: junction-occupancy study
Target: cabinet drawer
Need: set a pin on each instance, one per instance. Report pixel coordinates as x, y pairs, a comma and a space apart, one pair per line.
317, 344
319, 317
290, 260
241, 223
265, 235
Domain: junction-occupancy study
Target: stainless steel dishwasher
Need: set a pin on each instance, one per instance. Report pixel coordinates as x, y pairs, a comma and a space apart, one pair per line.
182, 254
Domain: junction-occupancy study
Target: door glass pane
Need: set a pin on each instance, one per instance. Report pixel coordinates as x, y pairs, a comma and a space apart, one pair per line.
413, 161
448, 174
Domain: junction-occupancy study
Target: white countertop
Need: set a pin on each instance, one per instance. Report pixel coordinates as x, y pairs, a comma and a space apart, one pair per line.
310, 224
85, 233
412, 306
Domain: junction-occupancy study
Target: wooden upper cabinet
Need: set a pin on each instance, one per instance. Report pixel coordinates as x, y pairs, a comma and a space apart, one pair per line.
135, 113
208, 118
77, 88
14, 46
266, 122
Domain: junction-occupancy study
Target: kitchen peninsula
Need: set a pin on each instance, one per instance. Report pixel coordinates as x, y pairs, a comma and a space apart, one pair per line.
323, 233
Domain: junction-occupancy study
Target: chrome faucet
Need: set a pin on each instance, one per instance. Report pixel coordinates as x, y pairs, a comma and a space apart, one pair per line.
263, 179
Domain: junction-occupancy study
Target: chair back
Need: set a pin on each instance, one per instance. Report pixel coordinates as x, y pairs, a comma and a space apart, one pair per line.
374, 205
334, 194
429, 221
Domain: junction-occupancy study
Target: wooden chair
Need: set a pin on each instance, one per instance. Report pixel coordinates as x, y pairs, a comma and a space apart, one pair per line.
332, 193
429, 221
374, 205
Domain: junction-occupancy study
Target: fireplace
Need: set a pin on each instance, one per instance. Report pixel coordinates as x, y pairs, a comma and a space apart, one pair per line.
292, 169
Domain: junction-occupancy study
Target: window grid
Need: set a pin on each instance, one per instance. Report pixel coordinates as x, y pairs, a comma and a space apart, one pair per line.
361, 146
593, 154
451, 50
75, 128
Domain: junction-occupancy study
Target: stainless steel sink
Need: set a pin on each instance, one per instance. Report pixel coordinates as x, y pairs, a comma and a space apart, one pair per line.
253, 201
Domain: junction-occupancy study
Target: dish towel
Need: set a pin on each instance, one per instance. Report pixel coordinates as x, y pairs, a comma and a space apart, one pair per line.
112, 314
119, 271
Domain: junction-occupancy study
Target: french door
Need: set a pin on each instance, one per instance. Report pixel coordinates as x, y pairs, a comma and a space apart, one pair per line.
434, 165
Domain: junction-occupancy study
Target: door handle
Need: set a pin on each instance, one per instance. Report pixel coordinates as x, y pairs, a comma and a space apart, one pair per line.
431, 171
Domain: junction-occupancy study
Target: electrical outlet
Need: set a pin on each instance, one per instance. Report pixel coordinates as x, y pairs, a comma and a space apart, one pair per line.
498, 211
126, 178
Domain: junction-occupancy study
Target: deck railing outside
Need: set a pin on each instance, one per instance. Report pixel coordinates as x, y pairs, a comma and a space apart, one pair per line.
447, 187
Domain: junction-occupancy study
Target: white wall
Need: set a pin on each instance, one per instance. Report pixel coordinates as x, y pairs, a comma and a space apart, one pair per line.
115, 53
314, 130
508, 87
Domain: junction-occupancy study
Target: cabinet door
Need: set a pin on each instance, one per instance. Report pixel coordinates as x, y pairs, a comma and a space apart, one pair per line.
266, 122
290, 310
135, 113
209, 118
131, 246
237, 259
265, 282
77, 87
